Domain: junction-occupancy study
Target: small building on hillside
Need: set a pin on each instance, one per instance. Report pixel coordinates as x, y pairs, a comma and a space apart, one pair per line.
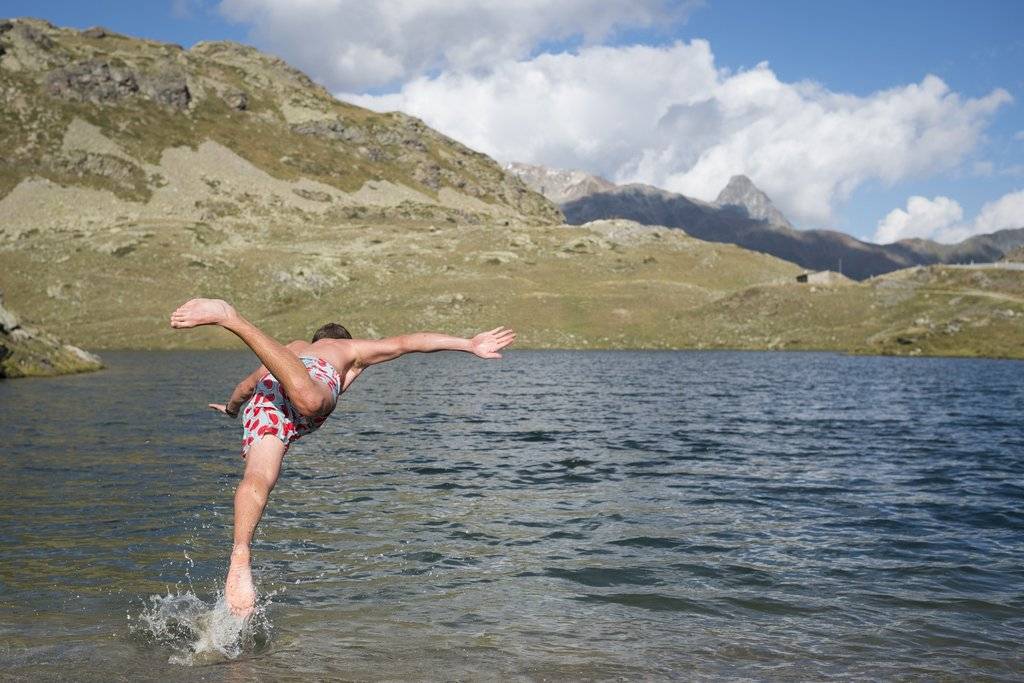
823, 277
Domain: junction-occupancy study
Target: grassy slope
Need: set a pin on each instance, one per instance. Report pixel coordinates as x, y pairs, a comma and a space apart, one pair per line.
561, 286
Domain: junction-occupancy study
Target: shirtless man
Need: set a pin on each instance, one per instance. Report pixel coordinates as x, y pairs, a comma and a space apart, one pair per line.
292, 393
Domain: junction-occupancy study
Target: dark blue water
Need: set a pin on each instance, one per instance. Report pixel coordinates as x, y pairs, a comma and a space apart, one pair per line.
555, 515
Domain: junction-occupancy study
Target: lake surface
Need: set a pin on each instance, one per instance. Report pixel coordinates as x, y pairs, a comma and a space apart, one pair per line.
555, 515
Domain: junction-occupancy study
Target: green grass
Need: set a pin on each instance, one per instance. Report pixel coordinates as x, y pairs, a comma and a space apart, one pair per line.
383, 278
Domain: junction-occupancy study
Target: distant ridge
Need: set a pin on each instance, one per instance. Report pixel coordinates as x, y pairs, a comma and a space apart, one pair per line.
559, 186
744, 215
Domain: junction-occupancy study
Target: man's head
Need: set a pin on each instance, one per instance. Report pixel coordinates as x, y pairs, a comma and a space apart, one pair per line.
331, 331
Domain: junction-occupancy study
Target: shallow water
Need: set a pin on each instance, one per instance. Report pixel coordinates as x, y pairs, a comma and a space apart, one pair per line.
555, 515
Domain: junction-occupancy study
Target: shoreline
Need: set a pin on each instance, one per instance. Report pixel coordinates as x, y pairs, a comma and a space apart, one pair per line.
620, 349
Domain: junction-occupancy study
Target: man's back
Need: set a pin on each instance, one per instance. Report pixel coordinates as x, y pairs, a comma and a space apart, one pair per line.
350, 356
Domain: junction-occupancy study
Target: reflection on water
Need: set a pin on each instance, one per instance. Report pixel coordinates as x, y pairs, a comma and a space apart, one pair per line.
553, 515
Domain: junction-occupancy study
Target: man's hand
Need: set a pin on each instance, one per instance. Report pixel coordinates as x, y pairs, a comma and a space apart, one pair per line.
221, 408
487, 344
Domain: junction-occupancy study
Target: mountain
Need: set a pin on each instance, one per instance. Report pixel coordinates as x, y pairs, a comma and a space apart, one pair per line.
137, 174
742, 214
741, 193
558, 186
221, 128
816, 250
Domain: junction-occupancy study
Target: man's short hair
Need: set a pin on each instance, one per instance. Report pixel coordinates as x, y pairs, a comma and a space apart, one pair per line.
331, 331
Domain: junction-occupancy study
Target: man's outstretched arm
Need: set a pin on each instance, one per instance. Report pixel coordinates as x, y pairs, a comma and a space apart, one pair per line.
485, 345
243, 392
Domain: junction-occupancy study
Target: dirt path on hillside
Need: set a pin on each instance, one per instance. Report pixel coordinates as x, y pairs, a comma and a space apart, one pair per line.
980, 292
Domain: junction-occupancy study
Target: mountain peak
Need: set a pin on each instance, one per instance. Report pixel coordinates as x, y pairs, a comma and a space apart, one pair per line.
741, 192
739, 183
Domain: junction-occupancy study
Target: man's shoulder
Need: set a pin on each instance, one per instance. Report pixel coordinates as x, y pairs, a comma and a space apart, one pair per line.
333, 343
338, 348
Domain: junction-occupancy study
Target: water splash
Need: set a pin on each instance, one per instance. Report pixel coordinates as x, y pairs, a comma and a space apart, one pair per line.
198, 632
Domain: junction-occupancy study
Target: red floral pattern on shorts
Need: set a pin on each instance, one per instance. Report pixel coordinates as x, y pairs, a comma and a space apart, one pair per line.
270, 413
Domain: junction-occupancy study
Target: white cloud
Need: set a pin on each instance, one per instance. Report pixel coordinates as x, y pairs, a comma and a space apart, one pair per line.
354, 44
923, 217
1019, 135
1005, 212
669, 117
940, 219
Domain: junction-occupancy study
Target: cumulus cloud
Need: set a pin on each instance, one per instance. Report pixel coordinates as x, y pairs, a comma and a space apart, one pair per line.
941, 218
1005, 212
354, 45
668, 116
923, 217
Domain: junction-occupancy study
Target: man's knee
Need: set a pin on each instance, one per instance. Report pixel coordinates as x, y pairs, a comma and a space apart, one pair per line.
258, 487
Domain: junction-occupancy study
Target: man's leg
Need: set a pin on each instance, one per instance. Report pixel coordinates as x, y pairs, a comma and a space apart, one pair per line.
309, 397
262, 467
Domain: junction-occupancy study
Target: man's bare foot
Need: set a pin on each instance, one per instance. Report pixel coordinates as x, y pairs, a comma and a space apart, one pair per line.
197, 312
239, 591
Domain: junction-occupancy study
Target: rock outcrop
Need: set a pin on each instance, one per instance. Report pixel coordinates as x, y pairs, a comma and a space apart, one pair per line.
93, 80
29, 352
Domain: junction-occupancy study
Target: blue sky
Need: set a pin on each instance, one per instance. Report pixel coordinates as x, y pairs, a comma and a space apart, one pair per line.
857, 48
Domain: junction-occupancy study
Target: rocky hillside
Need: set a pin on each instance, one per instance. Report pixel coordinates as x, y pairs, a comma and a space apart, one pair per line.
219, 130
744, 215
28, 352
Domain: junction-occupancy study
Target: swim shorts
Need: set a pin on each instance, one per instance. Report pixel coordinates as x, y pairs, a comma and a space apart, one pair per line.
270, 413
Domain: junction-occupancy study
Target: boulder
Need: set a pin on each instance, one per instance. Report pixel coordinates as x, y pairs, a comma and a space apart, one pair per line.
237, 100
100, 81
25, 351
33, 35
8, 320
332, 129
93, 80
169, 88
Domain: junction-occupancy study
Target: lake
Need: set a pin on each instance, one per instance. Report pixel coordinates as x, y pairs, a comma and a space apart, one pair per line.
554, 515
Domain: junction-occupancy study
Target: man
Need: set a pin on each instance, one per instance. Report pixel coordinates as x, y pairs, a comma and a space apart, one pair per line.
292, 393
